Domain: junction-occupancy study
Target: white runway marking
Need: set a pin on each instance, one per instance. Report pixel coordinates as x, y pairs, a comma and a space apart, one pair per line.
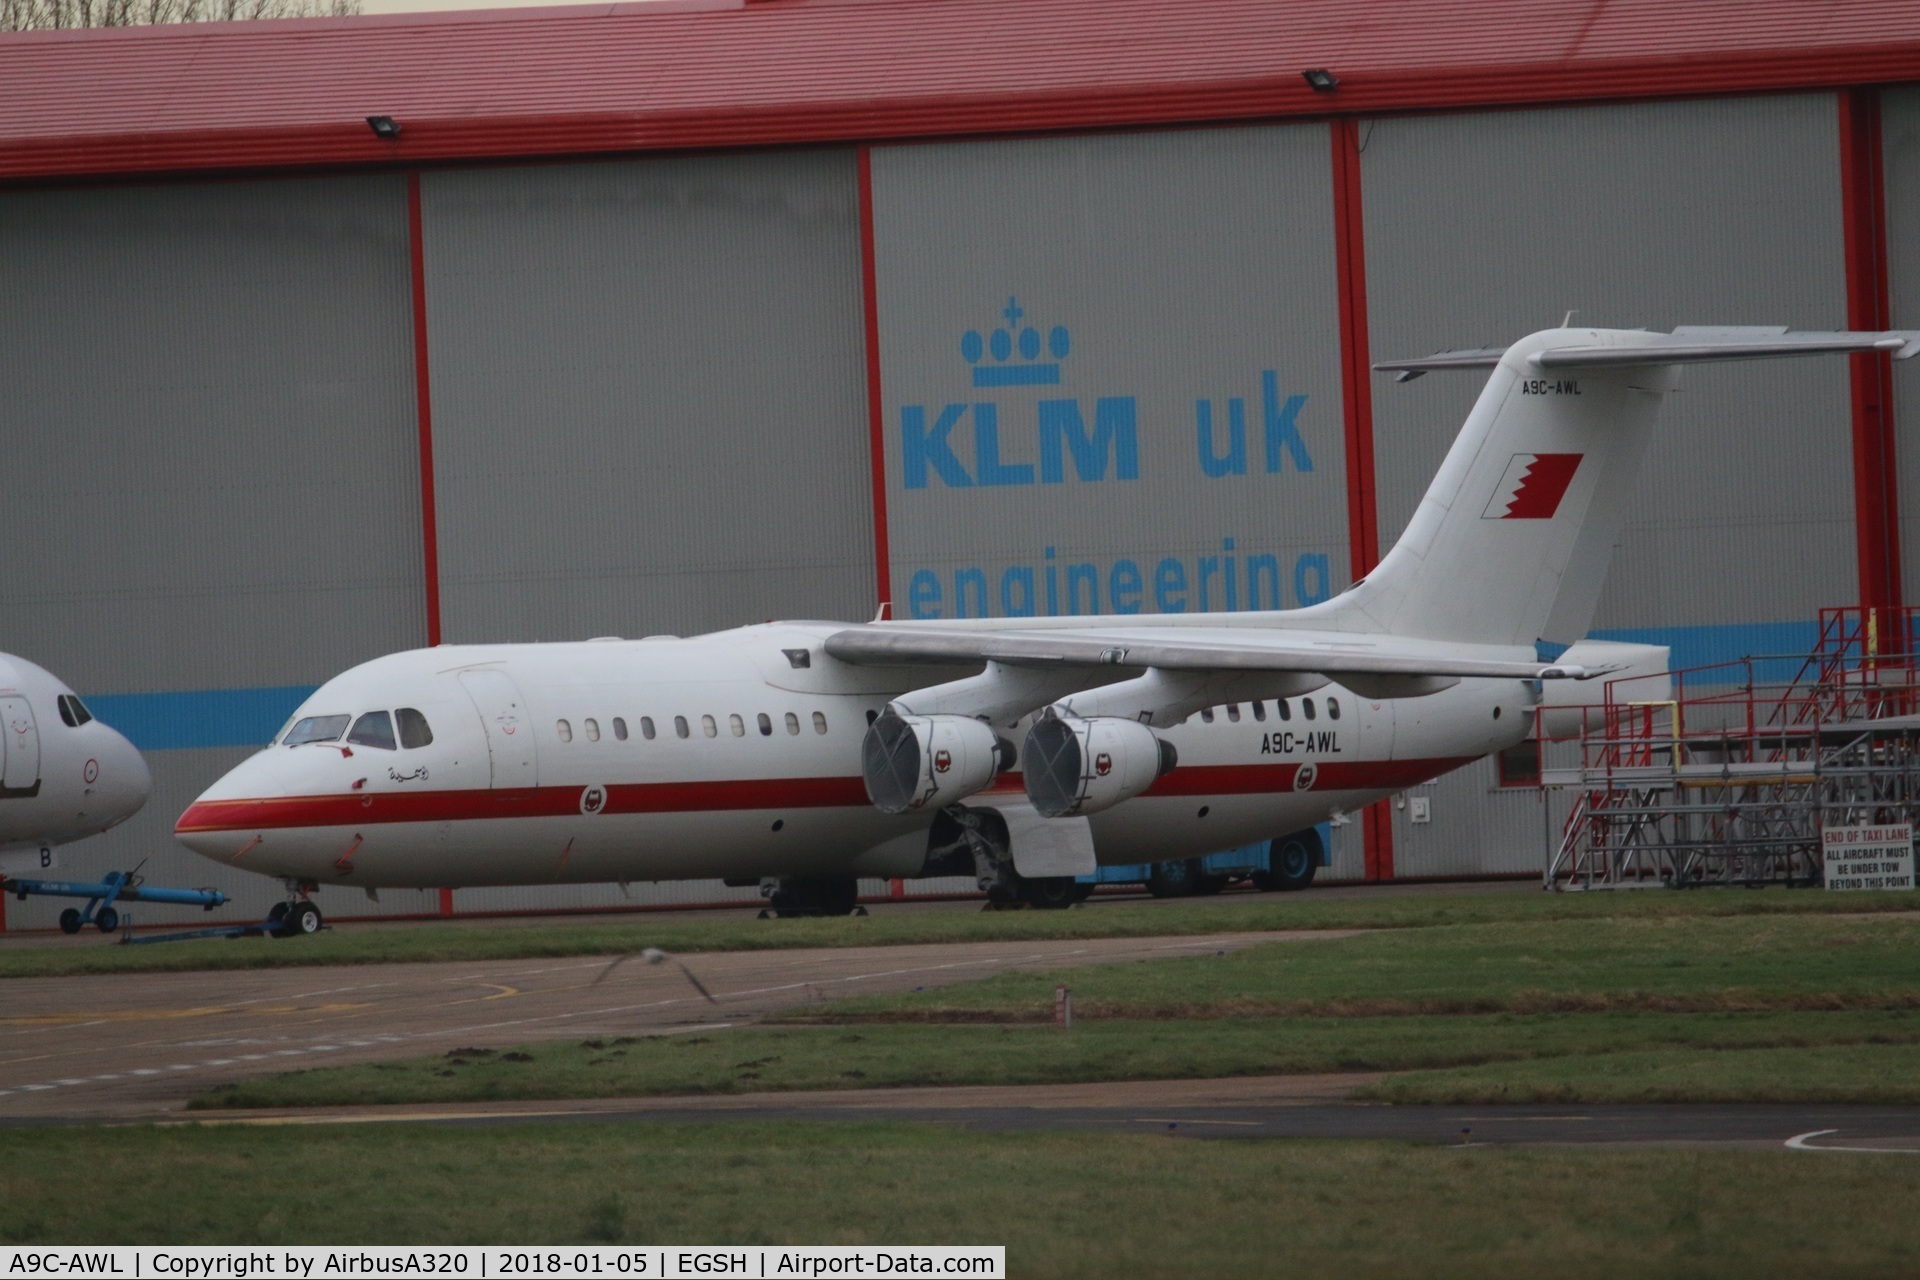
1804, 1142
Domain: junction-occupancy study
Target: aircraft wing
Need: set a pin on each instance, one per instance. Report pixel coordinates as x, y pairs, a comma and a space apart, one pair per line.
1687, 344
881, 644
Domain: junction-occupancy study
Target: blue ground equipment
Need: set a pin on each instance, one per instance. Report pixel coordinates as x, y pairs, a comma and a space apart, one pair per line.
1285, 862
117, 886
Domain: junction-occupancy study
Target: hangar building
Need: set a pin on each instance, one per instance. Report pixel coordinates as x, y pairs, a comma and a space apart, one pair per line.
664, 317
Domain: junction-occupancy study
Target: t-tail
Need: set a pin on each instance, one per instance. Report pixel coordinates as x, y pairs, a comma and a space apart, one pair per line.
1512, 541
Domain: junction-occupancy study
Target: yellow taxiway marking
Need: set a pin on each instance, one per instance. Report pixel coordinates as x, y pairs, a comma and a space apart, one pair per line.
162, 1015
500, 992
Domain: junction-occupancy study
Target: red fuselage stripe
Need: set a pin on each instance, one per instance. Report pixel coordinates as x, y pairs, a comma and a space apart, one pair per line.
364, 809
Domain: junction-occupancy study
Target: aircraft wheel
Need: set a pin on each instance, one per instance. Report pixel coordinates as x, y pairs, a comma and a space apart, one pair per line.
1291, 862
70, 921
302, 918
1170, 879
1049, 893
107, 921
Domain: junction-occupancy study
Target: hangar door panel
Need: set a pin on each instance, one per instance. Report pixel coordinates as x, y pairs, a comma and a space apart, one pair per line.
649, 395
212, 444
1483, 228
1110, 373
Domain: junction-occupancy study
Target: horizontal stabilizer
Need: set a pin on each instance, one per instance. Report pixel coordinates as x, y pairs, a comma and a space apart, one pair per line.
1687, 344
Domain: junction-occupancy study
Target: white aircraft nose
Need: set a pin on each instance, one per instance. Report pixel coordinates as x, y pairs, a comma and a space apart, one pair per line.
121, 782
210, 824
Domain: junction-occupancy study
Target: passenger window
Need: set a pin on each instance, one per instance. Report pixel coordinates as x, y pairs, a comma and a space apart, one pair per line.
793, 723
592, 727
680, 726
1206, 714
1333, 708
708, 727
619, 729
646, 727
739, 726
414, 731
819, 722
317, 729
1259, 711
374, 729
1306, 707
1233, 712
564, 729
1284, 707
766, 725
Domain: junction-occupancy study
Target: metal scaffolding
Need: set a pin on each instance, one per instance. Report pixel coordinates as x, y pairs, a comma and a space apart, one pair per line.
1731, 780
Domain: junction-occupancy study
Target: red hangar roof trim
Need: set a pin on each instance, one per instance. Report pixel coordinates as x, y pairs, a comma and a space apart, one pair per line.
687, 74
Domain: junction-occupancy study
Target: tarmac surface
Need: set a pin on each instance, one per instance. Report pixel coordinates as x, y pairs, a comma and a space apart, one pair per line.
138, 1046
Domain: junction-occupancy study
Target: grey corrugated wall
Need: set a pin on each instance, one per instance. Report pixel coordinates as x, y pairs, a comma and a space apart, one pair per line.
649, 395
1483, 228
1181, 268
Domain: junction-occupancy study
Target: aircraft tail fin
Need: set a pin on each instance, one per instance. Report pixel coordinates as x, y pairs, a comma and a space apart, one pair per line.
1511, 543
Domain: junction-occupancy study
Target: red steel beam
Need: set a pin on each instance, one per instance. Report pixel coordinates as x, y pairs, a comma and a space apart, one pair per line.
423, 403
1876, 496
876, 410
1356, 397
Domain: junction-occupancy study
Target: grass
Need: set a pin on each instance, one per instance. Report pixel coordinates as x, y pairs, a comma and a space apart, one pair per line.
690, 932
1551, 1007
1860, 1056
1658, 963
1065, 1204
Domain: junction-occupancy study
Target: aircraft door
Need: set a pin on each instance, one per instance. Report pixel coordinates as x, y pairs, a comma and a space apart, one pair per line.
20, 774
511, 753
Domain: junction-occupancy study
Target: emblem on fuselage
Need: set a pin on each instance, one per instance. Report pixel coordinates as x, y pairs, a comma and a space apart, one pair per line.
1303, 780
593, 799
942, 761
1103, 764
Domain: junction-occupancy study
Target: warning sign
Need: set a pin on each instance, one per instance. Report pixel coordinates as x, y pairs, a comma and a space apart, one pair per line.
1868, 857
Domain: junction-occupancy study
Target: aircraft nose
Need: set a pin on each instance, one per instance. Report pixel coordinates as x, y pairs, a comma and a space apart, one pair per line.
122, 782
209, 825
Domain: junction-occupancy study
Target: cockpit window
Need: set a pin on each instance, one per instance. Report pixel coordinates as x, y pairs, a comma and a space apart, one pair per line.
374, 729
72, 711
414, 731
316, 729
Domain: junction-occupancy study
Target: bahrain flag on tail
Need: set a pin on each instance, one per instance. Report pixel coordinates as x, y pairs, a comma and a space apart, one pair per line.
1532, 487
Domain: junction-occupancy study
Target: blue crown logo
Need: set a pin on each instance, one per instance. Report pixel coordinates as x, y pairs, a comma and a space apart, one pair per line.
1001, 343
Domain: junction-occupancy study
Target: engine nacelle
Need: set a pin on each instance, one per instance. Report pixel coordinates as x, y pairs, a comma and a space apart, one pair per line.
929, 762
1076, 766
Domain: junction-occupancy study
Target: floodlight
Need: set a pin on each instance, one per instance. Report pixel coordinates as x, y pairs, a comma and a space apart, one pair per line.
387, 127
1321, 80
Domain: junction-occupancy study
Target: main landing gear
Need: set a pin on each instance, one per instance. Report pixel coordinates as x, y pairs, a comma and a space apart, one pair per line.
979, 836
794, 896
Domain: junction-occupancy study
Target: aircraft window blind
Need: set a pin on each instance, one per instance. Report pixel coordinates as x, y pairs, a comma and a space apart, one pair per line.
1259, 710
1333, 708
819, 722
414, 730
374, 729
1206, 714
1233, 712
564, 730
793, 723
766, 725
739, 726
592, 727
708, 727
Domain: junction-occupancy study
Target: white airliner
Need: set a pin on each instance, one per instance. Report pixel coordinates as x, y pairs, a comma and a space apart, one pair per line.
63, 774
1022, 751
